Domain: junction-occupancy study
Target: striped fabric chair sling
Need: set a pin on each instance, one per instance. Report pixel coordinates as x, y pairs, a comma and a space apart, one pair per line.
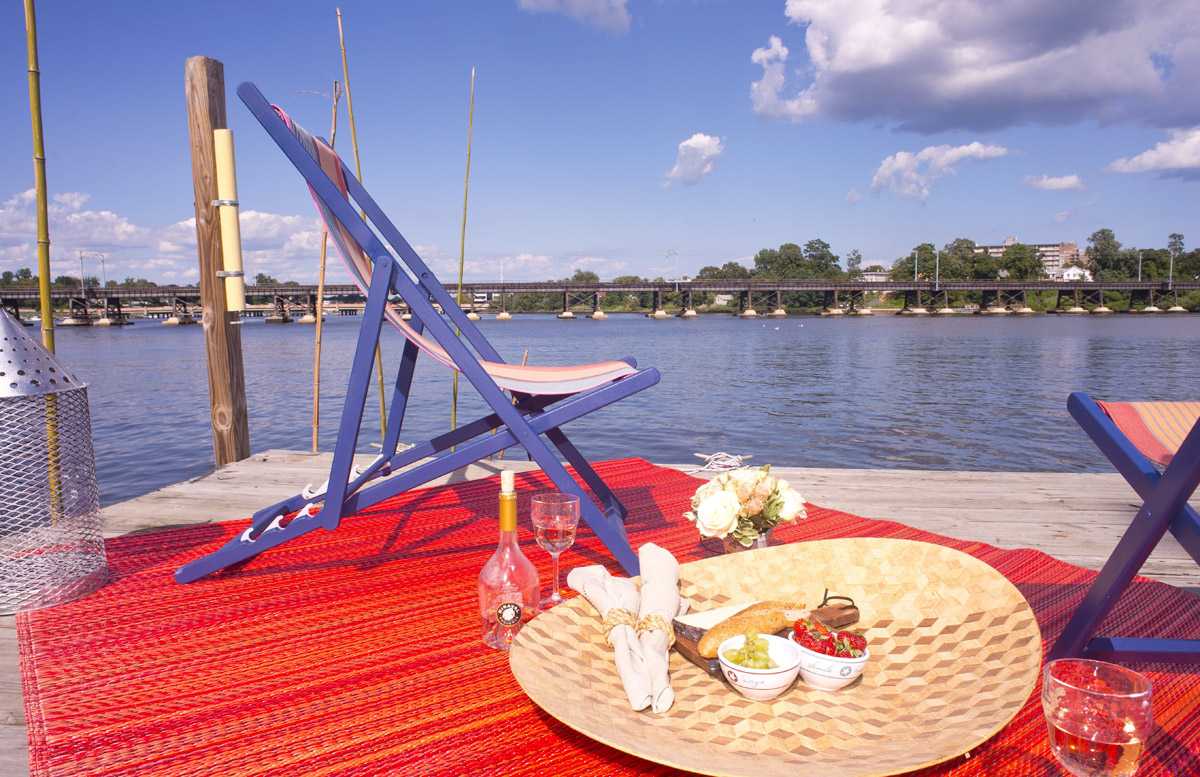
545, 397
1137, 436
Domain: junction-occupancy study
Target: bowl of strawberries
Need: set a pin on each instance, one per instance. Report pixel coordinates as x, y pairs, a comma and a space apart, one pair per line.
829, 659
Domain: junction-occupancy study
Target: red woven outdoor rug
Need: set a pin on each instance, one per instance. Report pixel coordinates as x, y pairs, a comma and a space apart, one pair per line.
358, 652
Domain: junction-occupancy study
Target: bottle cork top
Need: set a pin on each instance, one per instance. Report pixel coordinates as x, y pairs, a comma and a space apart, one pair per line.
507, 481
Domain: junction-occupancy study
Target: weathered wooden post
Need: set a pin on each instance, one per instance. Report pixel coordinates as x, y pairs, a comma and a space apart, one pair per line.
204, 89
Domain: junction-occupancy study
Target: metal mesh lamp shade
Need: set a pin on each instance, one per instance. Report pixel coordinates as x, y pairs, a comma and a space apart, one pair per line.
51, 542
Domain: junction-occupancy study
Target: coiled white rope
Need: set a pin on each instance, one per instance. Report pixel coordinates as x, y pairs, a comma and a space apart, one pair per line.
721, 461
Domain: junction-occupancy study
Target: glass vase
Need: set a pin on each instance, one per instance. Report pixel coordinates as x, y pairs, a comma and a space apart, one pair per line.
763, 540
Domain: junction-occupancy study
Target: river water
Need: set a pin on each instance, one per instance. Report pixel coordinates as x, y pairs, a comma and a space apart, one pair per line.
969, 392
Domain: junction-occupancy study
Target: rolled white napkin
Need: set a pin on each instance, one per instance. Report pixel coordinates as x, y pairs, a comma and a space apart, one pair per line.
660, 603
616, 596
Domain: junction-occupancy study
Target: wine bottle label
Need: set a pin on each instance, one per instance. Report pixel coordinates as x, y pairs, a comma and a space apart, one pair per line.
509, 614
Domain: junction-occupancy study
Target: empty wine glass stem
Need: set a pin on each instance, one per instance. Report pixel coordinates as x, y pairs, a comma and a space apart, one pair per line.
554, 595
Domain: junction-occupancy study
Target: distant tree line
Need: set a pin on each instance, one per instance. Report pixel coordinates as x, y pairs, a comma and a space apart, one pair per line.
25, 277
959, 259
1104, 257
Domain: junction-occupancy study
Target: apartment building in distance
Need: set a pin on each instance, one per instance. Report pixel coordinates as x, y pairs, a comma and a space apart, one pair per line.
1055, 256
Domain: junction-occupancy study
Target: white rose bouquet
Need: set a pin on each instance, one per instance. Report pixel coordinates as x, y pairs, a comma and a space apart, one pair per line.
744, 504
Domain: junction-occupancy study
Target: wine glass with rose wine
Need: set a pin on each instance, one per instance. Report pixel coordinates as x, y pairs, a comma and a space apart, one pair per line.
555, 518
1098, 714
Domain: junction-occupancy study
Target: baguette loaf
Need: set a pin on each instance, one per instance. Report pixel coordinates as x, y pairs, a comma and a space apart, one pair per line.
764, 618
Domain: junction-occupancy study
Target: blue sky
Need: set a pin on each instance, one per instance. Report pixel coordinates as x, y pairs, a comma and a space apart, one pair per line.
880, 130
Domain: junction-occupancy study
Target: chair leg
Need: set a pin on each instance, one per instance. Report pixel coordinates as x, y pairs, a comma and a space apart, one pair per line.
356, 393
1131, 552
400, 392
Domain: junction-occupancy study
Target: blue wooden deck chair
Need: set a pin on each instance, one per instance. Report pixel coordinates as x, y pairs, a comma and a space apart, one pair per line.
1135, 436
542, 400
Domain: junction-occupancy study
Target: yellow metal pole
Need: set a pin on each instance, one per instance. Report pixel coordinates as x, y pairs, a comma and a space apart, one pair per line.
462, 242
39, 177
231, 230
316, 405
358, 174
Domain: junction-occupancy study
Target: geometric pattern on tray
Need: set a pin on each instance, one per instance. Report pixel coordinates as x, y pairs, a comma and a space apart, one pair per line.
358, 652
955, 653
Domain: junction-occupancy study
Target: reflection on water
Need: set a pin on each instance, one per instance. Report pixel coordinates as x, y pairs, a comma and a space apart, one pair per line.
964, 393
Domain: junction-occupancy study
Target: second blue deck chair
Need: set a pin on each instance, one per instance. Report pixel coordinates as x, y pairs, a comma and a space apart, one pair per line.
542, 398
1135, 436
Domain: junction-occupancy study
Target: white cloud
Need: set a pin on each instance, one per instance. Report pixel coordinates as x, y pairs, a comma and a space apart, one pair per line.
912, 174
71, 227
71, 200
603, 266
853, 196
930, 65
523, 266
696, 158
285, 246
612, 15
272, 242
1062, 216
766, 94
1054, 182
1178, 155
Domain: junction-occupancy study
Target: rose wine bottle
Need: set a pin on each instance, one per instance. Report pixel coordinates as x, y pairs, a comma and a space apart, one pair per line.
508, 582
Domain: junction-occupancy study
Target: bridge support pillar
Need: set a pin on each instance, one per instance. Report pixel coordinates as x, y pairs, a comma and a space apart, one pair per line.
113, 315
1100, 308
565, 314
832, 306
657, 311
597, 313
280, 314
472, 315
854, 306
746, 305
503, 315
1023, 307
179, 314
77, 313
310, 309
1076, 306
1150, 306
996, 306
779, 311
687, 311
14, 306
1176, 307
943, 309
913, 305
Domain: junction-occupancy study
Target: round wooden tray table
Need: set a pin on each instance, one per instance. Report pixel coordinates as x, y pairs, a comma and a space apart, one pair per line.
955, 653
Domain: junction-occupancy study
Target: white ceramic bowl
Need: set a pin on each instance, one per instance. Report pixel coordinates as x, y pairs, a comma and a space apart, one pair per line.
762, 684
828, 673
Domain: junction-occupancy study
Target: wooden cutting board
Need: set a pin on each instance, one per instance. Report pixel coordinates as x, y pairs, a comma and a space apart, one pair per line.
691, 628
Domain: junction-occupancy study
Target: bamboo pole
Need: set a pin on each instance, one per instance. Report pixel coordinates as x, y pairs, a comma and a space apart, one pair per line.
462, 243
359, 176
316, 402
39, 176
53, 481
